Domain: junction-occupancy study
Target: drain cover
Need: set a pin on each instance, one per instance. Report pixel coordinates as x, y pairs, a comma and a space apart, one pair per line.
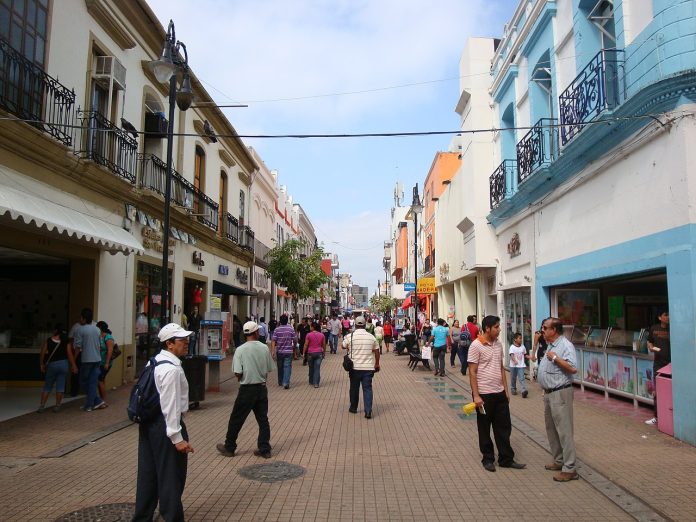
102, 513
273, 472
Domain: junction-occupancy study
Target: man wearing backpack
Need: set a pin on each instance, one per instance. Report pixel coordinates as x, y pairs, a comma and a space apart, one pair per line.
163, 445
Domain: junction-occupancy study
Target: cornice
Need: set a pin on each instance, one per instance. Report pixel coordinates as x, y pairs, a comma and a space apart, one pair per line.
226, 158
99, 11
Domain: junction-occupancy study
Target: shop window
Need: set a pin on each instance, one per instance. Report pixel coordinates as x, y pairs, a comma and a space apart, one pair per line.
518, 316
148, 308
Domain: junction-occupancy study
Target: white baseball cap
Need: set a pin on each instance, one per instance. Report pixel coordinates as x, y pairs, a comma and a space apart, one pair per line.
171, 330
250, 327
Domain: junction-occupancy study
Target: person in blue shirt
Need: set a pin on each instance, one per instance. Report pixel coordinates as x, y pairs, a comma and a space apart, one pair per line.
439, 338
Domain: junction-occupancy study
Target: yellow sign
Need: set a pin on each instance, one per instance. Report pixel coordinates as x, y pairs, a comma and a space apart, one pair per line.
426, 285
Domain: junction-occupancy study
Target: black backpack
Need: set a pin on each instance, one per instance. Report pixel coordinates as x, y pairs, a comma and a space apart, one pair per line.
465, 337
144, 403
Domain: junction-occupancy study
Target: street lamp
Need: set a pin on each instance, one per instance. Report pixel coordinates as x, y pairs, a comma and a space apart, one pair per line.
416, 207
166, 68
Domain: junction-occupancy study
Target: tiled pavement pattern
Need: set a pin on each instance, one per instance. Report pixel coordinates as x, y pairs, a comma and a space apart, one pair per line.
415, 460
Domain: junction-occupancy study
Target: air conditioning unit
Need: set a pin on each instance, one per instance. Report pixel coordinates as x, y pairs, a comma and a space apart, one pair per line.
108, 69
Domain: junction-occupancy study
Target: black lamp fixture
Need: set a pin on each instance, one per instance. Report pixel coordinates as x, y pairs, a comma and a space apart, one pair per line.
167, 69
416, 208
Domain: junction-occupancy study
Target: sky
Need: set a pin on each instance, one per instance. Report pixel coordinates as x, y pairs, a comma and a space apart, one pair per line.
338, 66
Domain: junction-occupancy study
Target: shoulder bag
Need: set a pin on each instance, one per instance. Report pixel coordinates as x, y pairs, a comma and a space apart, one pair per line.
347, 360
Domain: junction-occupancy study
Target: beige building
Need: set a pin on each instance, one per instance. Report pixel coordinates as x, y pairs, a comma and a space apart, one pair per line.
82, 175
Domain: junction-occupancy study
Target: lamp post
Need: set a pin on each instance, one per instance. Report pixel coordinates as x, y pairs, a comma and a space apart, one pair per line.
416, 207
166, 68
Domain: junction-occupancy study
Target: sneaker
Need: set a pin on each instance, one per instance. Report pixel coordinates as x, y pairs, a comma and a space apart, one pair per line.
40, 409
316, 385
88, 409
489, 466
524, 394
351, 410
263, 454
368, 415
56, 408
222, 449
101, 406
287, 386
651, 421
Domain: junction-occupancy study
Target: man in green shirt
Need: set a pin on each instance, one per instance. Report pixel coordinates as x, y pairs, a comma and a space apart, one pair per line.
252, 362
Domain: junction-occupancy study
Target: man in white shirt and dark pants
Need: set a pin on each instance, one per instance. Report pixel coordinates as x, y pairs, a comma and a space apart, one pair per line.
364, 351
163, 445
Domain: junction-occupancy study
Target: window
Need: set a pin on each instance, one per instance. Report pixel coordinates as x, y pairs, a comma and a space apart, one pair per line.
223, 203
241, 208
198, 176
23, 25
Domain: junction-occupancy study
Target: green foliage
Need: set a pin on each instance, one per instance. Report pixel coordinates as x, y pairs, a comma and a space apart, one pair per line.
383, 303
301, 275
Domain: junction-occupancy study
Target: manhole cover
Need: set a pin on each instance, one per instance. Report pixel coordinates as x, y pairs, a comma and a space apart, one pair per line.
103, 513
273, 472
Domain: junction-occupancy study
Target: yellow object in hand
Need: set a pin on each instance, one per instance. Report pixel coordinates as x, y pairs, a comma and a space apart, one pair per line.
470, 408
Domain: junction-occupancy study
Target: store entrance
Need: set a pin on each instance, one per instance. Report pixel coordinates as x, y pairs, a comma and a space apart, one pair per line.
148, 308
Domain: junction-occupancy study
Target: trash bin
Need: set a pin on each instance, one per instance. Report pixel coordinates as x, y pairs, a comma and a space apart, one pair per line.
194, 368
665, 415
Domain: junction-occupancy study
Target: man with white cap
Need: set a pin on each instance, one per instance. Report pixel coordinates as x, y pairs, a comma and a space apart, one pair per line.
163, 444
363, 350
252, 362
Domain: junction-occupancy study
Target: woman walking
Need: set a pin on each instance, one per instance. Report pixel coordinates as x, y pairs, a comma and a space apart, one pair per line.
455, 335
426, 331
439, 336
314, 350
388, 334
55, 361
107, 346
379, 335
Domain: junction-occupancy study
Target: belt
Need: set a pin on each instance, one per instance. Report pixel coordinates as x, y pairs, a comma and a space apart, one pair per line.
255, 384
558, 388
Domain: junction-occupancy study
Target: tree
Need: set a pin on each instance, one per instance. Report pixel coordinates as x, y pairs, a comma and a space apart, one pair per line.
384, 304
300, 274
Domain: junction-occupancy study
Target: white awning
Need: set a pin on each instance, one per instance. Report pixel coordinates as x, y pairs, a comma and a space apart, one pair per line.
29, 208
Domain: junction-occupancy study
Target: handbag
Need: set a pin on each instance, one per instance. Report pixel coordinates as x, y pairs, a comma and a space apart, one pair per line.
347, 361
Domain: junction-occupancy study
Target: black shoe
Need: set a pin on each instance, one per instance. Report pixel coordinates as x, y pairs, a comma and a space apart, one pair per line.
524, 394
368, 415
287, 386
352, 410
514, 465
263, 454
224, 451
489, 466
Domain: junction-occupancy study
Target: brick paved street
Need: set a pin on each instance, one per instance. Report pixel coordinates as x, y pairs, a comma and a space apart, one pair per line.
417, 459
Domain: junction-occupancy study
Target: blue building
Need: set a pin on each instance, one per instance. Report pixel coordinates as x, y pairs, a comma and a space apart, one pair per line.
593, 198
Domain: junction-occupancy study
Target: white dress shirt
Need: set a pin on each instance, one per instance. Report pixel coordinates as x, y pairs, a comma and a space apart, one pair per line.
172, 386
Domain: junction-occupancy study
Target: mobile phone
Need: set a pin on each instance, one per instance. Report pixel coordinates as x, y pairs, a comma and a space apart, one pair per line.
482, 410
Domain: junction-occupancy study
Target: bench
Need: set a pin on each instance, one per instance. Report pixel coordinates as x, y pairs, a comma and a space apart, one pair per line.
415, 357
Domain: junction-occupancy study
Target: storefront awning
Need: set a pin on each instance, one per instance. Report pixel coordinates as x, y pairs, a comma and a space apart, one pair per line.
26, 207
223, 288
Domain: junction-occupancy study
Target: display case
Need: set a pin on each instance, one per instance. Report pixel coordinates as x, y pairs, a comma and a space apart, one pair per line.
624, 340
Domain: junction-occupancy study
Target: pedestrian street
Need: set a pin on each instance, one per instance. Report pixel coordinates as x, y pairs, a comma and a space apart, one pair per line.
416, 459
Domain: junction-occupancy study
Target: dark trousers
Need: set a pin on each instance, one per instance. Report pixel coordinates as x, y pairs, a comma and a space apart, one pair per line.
360, 378
463, 356
75, 377
498, 416
251, 397
161, 473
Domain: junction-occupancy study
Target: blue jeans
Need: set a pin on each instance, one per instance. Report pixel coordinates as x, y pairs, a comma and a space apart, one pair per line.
333, 342
315, 368
284, 368
56, 372
515, 374
193, 341
361, 378
89, 374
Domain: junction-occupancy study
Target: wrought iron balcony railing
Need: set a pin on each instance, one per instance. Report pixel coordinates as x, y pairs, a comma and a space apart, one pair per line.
500, 182
205, 209
538, 148
232, 228
598, 87
246, 238
109, 146
32, 95
429, 261
261, 250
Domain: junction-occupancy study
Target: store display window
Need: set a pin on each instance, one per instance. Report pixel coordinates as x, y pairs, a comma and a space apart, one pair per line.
518, 316
148, 308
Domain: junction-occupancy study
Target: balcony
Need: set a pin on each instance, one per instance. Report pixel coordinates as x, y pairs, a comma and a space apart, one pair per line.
429, 263
232, 228
260, 252
538, 148
500, 182
598, 87
27, 92
109, 146
246, 238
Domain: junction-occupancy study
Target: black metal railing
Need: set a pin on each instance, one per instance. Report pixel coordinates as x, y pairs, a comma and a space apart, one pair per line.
205, 210
232, 228
261, 250
598, 87
109, 146
246, 238
538, 148
32, 95
429, 263
499, 182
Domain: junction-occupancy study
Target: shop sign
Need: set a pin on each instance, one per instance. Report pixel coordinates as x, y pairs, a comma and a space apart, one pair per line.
197, 259
152, 239
223, 270
426, 285
513, 247
242, 276
261, 280
215, 302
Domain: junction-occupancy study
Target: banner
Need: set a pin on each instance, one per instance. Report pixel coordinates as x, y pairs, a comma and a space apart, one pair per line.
426, 285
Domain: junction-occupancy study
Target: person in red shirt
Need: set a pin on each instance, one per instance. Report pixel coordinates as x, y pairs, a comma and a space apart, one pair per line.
388, 334
471, 326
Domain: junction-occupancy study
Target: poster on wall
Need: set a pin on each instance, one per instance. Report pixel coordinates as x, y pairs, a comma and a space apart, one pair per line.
594, 370
577, 376
620, 373
578, 306
645, 387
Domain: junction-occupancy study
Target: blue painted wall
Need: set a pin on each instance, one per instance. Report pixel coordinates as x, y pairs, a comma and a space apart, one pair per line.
673, 250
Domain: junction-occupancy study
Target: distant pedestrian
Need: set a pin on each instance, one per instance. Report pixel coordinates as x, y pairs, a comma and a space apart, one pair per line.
282, 349
369, 326
194, 325
106, 347
251, 364
263, 330
379, 335
455, 333
490, 393
345, 325
163, 445
334, 332
302, 331
55, 362
272, 324
471, 327
388, 334
425, 332
555, 377
363, 351
518, 354
314, 350
659, 345
88, 345
539, 346
439, 341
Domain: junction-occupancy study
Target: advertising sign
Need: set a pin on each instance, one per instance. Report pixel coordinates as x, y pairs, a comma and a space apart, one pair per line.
426, 285
409, 287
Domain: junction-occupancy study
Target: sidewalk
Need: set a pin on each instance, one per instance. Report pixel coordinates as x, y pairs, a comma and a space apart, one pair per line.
417, 459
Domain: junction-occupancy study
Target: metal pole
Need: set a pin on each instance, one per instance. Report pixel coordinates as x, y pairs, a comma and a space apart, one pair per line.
415, 268
164, 306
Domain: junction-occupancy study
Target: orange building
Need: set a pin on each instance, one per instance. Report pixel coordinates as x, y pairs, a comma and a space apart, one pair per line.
444, 167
